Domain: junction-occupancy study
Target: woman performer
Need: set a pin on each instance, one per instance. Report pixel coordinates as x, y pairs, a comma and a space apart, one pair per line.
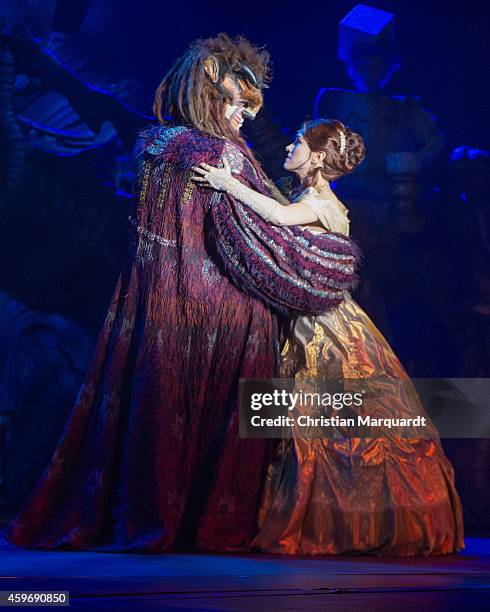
388, 495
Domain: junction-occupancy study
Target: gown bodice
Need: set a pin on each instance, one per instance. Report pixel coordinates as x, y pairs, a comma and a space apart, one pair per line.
332, 214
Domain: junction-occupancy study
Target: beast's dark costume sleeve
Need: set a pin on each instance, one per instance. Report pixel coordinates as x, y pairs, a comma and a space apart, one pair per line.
288, 268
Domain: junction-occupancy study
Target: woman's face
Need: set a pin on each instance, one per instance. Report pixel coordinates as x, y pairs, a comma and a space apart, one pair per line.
299, 154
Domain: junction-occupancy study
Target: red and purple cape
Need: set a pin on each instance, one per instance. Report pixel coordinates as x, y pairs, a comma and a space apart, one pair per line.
150, 456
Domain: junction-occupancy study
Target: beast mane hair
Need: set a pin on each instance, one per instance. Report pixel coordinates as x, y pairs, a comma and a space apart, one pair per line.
189, 97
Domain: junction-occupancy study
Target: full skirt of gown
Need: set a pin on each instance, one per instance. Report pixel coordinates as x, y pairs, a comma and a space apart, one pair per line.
386, 496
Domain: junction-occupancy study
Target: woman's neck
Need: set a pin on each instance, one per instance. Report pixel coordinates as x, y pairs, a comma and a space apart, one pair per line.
323, 187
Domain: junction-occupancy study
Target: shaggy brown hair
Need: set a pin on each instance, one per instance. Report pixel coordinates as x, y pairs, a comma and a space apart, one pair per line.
188, 95
323, 135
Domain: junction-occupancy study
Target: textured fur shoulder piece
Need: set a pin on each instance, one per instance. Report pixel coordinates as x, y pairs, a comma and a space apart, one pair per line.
162, 137
181, 145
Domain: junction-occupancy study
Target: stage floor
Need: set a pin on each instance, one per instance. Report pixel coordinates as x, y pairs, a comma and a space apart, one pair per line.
102, 581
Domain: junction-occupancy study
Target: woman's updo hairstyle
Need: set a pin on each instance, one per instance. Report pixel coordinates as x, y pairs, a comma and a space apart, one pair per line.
344, 149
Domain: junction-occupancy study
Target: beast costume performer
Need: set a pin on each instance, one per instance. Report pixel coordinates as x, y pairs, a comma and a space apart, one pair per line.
150, 458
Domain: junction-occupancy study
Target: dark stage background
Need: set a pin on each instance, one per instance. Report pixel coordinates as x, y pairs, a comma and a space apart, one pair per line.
66, 176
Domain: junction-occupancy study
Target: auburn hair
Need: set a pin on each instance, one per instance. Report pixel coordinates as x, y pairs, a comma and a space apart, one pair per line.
325, 135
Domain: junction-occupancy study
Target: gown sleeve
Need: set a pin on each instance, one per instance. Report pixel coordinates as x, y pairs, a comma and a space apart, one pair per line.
329, 213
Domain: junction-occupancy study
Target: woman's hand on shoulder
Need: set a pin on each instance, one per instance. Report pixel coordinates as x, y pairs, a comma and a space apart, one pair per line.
216, 178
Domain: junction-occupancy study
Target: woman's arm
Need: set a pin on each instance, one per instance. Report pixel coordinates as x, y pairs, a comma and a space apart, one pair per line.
269, 209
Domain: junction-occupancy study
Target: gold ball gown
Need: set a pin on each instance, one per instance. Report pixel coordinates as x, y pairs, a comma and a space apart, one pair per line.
384, 496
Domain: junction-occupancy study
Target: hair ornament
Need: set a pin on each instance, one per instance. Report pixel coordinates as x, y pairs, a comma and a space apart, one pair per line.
343, 141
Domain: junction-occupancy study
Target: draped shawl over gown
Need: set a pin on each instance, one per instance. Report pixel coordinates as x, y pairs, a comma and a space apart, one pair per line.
384, 496
150, 456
